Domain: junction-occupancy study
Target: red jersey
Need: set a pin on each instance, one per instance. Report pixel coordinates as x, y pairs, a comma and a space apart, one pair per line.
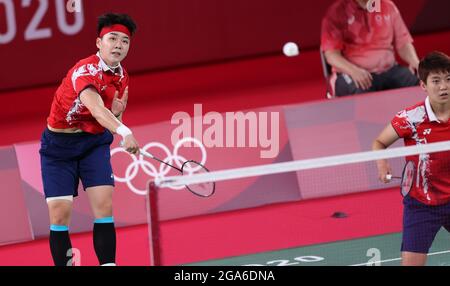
68, 111
419, 125
367, 39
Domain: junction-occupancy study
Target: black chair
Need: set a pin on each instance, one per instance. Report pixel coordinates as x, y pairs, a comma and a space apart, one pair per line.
327, 73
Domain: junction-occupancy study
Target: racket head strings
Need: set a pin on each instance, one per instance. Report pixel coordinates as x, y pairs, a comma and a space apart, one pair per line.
205, 189
408, 175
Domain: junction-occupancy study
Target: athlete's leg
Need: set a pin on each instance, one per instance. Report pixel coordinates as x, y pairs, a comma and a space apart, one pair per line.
60, 180
413, 259
98, 181
100, 198
60, 210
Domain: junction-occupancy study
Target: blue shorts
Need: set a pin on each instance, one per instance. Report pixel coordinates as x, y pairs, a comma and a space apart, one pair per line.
421, 223
68, 157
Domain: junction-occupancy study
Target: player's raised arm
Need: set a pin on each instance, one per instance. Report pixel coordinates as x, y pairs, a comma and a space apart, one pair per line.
94, 103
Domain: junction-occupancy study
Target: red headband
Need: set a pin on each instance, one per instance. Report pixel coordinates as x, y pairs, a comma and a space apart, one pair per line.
115, 28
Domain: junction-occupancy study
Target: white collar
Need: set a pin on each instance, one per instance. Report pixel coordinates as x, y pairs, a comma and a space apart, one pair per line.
431, 115
105, 67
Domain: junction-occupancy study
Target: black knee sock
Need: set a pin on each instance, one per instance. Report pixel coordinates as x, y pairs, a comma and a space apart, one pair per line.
60, 245
105, 242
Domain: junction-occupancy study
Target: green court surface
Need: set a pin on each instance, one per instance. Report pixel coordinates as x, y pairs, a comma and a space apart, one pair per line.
381, 250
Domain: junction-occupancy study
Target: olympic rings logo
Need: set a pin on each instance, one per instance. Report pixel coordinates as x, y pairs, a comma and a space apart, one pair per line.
157, 173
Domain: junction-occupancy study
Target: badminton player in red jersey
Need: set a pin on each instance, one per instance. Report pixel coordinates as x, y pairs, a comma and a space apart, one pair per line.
86, 111
427, 206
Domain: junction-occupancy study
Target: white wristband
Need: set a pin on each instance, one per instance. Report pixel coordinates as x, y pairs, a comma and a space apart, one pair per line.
123, 131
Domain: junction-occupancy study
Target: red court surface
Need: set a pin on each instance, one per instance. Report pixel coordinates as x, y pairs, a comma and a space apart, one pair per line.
239, 232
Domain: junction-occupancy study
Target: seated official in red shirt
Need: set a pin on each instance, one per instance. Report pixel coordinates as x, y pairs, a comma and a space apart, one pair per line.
358, 41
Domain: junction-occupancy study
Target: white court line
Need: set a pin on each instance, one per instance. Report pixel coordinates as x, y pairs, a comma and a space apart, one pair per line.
395, 259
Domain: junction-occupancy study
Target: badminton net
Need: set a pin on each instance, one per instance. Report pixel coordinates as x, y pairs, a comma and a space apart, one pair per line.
320, 177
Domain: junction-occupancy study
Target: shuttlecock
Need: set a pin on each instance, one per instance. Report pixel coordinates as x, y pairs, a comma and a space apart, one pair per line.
290, 49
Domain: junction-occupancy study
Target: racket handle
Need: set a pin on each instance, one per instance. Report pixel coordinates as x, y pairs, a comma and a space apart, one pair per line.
390, 177
144, 153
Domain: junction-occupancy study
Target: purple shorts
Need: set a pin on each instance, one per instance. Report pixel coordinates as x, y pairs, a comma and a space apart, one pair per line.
421, 223
68, 157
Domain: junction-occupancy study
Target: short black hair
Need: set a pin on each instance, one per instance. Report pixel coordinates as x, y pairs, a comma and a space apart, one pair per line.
436, 62
109, 19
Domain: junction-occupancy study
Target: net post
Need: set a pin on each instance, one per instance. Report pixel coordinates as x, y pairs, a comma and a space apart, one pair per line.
153, 224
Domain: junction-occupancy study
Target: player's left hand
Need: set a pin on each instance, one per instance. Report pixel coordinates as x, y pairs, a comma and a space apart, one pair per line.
383, 170
119, 104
